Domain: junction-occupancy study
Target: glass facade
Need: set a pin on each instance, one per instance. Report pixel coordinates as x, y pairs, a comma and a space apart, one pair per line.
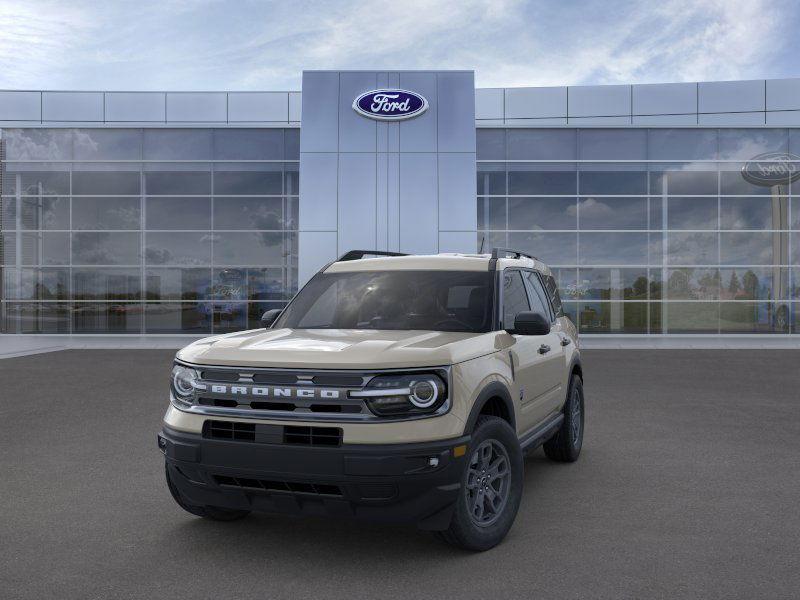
649, 231
146, 230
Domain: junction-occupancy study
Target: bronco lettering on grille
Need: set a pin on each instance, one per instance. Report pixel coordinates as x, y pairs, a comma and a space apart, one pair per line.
275, 392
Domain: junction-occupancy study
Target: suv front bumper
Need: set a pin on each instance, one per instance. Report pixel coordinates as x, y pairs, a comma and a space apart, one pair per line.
396, 483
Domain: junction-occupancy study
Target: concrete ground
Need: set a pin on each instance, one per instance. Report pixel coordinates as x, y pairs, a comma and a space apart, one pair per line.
688, 487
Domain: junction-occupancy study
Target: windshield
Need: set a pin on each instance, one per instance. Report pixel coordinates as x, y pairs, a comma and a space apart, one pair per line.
430, 300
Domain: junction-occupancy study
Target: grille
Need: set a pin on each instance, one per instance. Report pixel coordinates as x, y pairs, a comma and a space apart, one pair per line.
312, 436
291, 487
230, 430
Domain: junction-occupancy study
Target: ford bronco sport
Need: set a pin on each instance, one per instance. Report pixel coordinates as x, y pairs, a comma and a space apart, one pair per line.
396, 388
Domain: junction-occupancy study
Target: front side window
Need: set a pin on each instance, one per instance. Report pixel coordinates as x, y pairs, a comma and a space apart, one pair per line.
515, 298
394, 300
539, 303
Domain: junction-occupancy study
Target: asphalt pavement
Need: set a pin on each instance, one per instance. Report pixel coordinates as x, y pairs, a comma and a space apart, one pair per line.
687, 487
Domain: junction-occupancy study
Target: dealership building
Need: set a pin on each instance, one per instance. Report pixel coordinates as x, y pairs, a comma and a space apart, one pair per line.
665, 210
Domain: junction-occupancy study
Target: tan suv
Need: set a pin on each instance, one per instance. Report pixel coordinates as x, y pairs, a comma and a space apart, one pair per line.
392, 387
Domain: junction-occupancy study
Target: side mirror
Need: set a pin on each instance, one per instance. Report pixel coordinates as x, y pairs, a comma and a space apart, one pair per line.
531, 323
268, 318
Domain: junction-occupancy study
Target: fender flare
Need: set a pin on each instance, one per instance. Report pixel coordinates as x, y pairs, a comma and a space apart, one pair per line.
494, 389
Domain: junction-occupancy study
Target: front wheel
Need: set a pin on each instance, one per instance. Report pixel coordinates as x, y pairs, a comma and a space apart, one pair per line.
491, 488
565, 445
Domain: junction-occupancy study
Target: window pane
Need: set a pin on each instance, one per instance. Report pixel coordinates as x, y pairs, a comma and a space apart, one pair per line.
177, 284
608, 144
693, 284
248, 182
178, 144
541, 144
551, 248
253, 248
248, 213
749, 248
754, 213
754, 283
613, 248
491, 213
490, 144
118, 183
750, 317
541, 213
656, 213
613, 284
692, 213
8, 214
105, 213
612, 213
291, 144
37, 284
107, 318
684, 183
249, 284
248, 144
45, 248
34, 317
106, 284
229, 316
491, 179
105, 248
613, 182
107, 144
692, 248
746, 144
795, 220
515, 298
174, 212
36, 183
613, 317
44, 212
732, 182
38, 144
178, 248
175, 317
291, 179
682, 144
691, 317
178, 183
523, 182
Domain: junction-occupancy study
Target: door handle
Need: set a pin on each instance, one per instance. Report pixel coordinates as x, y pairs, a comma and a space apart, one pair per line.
544, 349
565, 341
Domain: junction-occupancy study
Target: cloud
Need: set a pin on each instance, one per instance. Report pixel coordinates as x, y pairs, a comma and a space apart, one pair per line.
180, 44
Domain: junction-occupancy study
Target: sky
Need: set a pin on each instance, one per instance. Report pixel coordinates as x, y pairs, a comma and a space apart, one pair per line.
265, 45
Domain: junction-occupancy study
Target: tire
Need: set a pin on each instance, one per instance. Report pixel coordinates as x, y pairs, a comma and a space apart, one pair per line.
215, 513
479, 532
565, 445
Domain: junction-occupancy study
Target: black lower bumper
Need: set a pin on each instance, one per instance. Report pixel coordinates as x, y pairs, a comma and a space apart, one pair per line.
396, 483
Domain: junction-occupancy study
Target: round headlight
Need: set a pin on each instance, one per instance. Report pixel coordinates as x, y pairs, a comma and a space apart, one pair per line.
423, 393
183, 379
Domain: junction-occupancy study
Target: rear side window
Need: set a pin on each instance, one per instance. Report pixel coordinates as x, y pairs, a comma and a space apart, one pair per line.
552, 291
515, 299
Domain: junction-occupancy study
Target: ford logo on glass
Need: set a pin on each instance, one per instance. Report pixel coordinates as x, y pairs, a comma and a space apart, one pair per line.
772, 168
390, 105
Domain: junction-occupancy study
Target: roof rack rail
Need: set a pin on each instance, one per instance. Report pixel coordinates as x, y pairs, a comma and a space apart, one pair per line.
504, 252
358, 254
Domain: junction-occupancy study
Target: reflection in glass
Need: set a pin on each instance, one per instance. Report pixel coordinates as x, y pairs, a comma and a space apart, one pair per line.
693, 284
490, 144
682, 144
107, 317
106, 284
117, 183
755, 283
38, 144
36, 183
106, 213
613, 182
491, 180
104, 248
177, 284
692, 213
178, 248
552, 248
229, 316
754, 213
522, 182
176, 317
690, 317
47, 248
173, 212
44, 212
252, 248
248, 213
750, 248
612, 144
613, 249
248, 144
39, 284
613, 284
107, 144
541, 144
35, 317
541, 213
177, 183
248, 182
692, 248
612, 213
612, 317
751, 317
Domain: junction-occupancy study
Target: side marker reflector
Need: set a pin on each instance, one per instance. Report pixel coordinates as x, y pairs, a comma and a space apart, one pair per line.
459, 451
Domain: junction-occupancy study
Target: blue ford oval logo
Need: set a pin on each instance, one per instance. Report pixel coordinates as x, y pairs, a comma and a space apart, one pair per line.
390, 105
772, 168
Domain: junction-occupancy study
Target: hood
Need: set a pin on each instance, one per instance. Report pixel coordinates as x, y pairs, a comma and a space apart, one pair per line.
339, 348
